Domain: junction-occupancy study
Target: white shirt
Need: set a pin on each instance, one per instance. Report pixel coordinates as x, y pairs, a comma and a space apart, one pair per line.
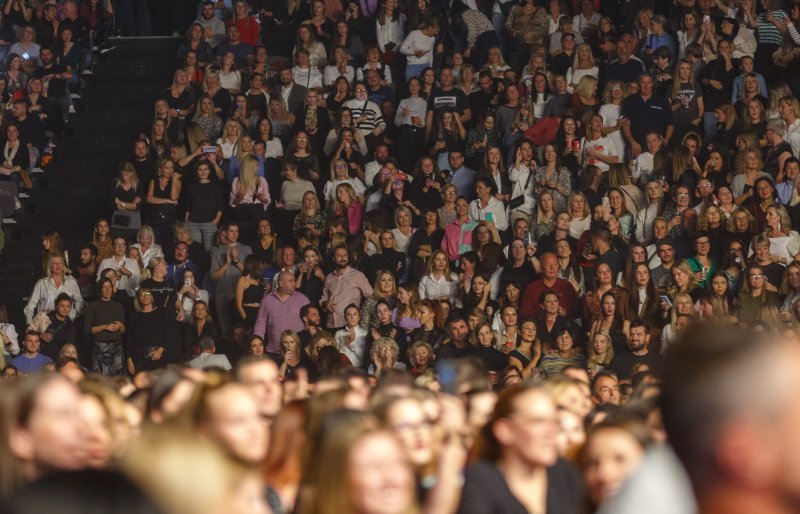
610, 114
332, 73
418, 41
431, 288
401, 241
573, 77
353, 350
307, 77
494, 212
329, 192
154, 251
44, 296
605, 145
792, 135
126, 283
518, 177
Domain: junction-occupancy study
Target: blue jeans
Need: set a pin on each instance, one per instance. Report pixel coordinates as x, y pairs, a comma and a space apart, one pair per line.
710, 124
203, 233
499, 23
414, 70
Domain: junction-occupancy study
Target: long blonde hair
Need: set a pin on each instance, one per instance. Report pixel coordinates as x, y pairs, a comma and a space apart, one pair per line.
248, 176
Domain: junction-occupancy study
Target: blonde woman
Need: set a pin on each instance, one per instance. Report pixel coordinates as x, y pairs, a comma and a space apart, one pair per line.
310, 215
439, 282
578, 208
244, 148
282, 120
584, 99
340, 175
582, 65
495, 63
229, 77
611, 110
601, 352
248, 187
682, 310
206, 123
347, 205
229, 140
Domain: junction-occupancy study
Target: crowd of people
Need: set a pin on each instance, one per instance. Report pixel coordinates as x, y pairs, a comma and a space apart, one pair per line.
397, 257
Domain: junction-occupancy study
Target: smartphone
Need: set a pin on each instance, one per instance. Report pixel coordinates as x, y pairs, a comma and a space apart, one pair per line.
26, 56
209, 149
665, 299
526, 239
188, 281
706, 19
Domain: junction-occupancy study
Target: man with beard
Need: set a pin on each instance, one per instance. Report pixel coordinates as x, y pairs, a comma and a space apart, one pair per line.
343, 286
637, 352
372, 168
293, 94
86, 271
312, 321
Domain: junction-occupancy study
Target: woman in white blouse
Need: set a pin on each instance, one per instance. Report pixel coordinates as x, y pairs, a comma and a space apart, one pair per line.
390, 26
338, 67
439, 282
48, 288
582, 65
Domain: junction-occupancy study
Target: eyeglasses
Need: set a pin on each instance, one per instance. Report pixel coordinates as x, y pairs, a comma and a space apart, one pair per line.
302, 139
361, 90
704, 186
681, 194
757, 276
340, 166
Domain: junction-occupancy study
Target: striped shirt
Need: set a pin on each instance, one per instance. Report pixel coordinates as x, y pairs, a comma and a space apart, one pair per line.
359, 108
767, 32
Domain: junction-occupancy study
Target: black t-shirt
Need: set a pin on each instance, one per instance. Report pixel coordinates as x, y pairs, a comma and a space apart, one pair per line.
486, 491
55, 87
454, 99
624, 362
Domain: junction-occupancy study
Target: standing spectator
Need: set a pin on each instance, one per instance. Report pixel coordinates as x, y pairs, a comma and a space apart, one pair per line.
47, 289
645, 112
280, 311
104, 319
227, 265
343, 286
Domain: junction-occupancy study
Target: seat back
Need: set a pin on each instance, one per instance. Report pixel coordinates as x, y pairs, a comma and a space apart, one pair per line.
7, 205
11, 187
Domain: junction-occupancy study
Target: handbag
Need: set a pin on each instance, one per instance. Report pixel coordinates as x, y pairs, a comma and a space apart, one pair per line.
126, 219
517, 201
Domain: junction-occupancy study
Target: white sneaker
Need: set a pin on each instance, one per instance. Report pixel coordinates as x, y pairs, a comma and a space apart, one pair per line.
72, 109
